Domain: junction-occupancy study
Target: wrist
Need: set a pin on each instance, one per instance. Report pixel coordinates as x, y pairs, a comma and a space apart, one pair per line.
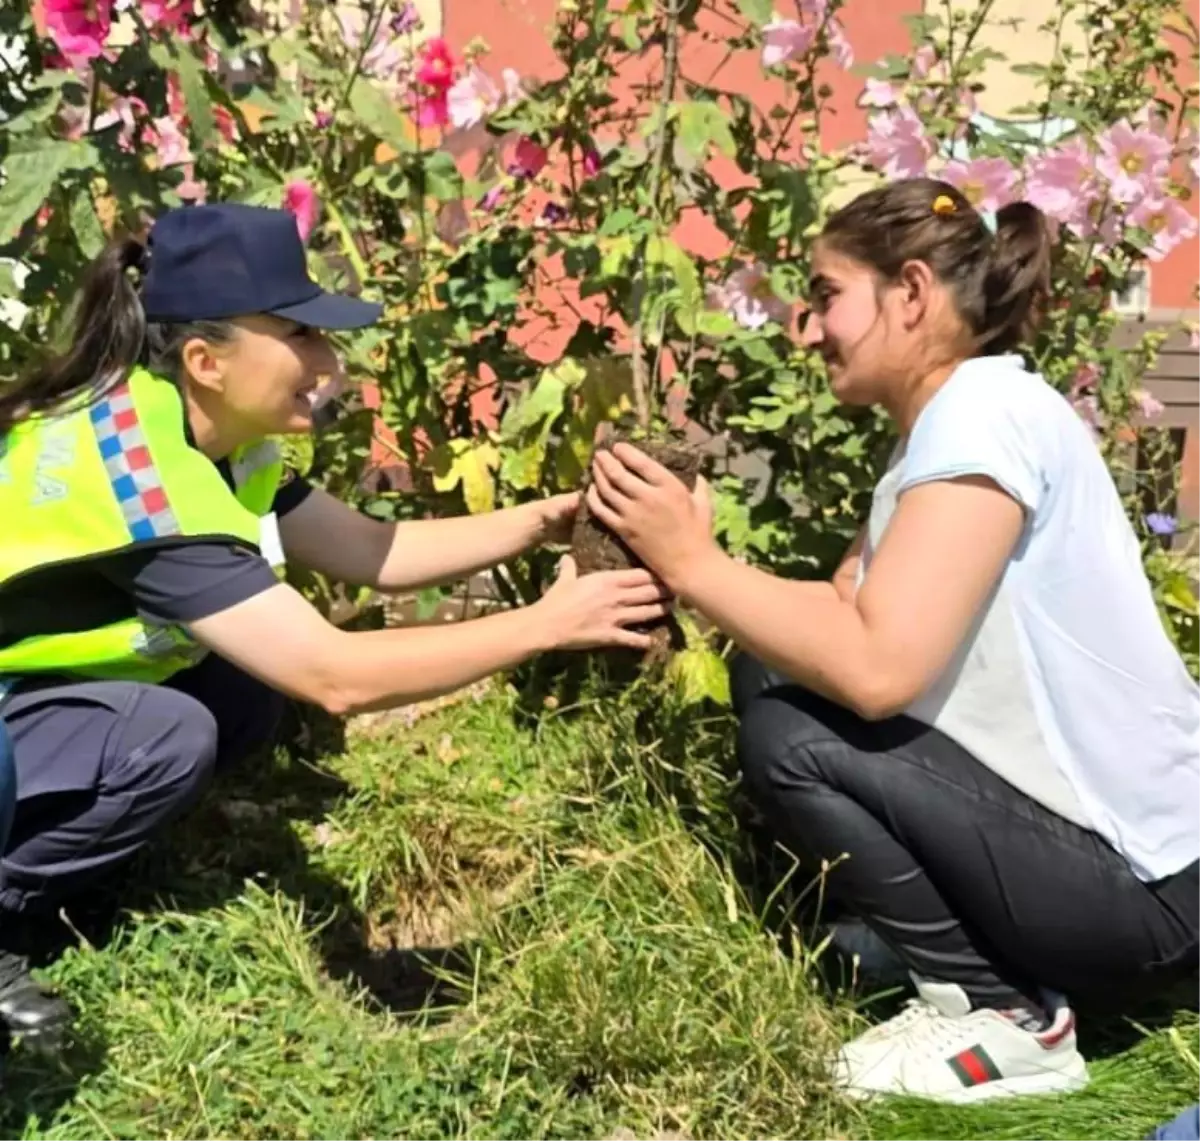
690, 582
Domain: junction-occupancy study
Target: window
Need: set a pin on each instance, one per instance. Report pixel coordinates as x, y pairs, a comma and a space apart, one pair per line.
1133, 300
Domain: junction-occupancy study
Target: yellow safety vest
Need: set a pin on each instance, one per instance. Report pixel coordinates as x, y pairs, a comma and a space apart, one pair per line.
112, 476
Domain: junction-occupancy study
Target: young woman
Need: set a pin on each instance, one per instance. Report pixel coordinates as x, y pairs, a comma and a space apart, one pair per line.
979, 725
145, 635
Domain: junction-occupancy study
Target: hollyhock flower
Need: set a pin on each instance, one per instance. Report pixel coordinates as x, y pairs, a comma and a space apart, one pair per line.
472, 98
877, 93
1086, 377
435, 68
491, 198
1166, 220
1061, 182
323, 119
79, 28
897, 145
386, 58
923, 60
1133, 159
784, 40
1148, 405
1161, 524
528, 158
592, 162
167, 17
432, 109
300, 198
986, 183
123, 111
407, 20
169, 142
1088, 409
748, 298
226, 123
839, 44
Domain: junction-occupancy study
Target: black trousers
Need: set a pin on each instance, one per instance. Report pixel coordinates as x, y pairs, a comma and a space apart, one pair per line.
103, 766
967, 879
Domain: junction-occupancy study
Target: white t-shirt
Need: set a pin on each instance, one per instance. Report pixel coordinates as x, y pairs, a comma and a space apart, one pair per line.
1067, 685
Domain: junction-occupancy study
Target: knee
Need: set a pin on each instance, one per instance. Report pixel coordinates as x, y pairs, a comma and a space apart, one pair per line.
778, 748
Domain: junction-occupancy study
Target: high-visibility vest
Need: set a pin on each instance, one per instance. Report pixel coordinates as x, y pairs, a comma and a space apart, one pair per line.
117, 475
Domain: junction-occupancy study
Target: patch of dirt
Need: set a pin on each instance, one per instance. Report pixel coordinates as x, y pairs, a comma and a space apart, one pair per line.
594, 547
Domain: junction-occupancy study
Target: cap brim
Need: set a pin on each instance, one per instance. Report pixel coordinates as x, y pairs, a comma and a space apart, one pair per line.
332, 311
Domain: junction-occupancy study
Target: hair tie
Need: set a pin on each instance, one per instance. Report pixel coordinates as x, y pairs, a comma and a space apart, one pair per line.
944, 204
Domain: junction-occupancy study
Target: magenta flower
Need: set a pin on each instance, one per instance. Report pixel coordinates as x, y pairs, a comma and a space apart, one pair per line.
592, 162
897, 145
1135, 161
528, 158
1166, 220
748, 298
432, 109
784, 40
491, 198
877, 93
300, 198
79, 28
436, 65
167, 17
323, 119
987, 183
1061, 182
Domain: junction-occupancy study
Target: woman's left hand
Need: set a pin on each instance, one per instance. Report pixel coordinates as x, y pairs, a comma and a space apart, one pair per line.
667, 526
556, 517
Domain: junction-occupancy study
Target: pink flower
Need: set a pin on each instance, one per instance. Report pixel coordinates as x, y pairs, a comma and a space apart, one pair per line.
407, 20
386, 58
1166, 220
169, 142
436, 67
432, 109
171, 18
592, 162
79, 28
1133, 159
839, 43
125, 112
877, 93
923, 60
1088, 408
491, 198
300, 198
226, 123
472, 98
528, 158
1149, 406
1086, 377
897, 145
747, 296
784, 40
1061, 182
986, 183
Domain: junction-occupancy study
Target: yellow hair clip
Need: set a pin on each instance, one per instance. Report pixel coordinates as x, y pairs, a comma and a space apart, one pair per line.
944, 204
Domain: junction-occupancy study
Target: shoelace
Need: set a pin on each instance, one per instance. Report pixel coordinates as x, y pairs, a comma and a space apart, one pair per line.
915, 1010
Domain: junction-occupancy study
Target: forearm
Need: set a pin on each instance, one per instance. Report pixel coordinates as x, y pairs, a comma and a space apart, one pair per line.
381, 669
806, 630
428, 552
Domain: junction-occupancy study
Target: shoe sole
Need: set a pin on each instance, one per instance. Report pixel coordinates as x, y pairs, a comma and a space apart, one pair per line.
1069, 1080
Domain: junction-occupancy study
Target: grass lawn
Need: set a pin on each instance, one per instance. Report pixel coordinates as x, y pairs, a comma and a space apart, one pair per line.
476, 926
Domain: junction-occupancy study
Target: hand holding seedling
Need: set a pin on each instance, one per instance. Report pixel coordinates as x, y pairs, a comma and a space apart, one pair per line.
668, 527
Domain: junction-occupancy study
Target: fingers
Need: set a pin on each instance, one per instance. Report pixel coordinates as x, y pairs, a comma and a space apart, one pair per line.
631, 615
601, 510
637, 461
631, 638
567, 571
641, 595
611, 473
628, 579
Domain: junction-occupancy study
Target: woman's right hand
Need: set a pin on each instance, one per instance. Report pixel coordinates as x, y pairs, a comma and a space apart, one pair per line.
581, 613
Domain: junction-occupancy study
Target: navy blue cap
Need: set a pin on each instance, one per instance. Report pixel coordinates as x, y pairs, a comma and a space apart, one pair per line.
208, 263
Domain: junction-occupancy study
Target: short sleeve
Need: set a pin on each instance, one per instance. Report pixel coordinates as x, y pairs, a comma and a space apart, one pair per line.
190, 581
974, 429
292, 492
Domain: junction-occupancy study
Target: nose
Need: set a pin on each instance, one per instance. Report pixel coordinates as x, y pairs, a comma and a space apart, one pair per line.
811, 331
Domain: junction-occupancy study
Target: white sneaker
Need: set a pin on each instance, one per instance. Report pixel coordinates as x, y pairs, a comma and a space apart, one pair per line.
939, 1048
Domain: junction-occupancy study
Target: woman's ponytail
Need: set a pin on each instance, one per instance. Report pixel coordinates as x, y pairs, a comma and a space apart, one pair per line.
1016, 280
109, 332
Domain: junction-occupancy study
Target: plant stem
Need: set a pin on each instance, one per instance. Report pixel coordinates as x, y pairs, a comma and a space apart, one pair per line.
643, 385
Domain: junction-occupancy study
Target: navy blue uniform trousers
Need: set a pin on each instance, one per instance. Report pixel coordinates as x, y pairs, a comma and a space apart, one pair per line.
101, 767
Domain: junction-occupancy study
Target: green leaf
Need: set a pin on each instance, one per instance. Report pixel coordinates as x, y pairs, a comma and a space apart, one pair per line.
699, 674
703, 124
470, 463
34, 114
443, 180
171, 55
375, 111
86, 224
30, 175
758, 12
619, 221
545, 400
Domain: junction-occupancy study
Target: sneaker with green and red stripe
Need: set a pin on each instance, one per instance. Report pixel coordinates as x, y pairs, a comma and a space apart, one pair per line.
953, 1053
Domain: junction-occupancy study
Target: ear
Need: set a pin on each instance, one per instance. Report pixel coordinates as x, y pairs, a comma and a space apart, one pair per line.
201, 365
917, 284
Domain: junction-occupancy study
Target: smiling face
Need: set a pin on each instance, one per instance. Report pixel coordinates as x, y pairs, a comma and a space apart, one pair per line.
262, 381
857, 322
